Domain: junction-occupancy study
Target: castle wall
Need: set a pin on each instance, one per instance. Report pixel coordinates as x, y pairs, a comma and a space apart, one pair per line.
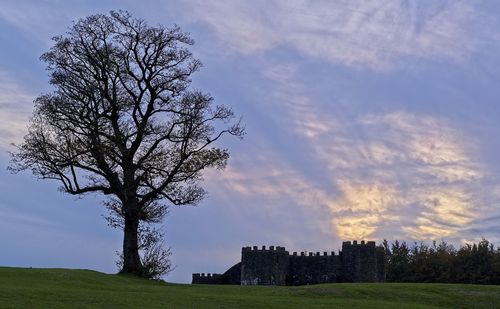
231, 276
357, 262
380, 264
312, 268
207, 279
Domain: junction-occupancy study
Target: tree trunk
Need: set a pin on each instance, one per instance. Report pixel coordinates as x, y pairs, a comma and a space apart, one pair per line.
131, 260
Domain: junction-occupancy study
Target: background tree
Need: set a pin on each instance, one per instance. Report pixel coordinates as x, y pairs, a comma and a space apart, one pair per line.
122, 121
441, 262
397, 261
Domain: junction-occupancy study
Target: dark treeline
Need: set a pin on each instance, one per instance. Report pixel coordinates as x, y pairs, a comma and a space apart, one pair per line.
441, 262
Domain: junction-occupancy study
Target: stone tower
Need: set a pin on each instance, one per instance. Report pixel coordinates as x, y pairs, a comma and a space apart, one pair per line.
264, 267
362, 262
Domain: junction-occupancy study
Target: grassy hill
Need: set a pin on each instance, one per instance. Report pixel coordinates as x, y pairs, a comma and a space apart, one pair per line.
64, 288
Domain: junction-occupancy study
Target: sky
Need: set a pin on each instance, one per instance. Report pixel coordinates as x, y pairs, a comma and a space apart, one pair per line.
365, 120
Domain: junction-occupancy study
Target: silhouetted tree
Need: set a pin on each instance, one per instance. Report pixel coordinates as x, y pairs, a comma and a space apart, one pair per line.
419, 263
122, 121
398, 261
477, 263
440, 262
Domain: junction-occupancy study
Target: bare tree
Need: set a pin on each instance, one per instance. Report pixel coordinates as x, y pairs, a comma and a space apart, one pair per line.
122, 121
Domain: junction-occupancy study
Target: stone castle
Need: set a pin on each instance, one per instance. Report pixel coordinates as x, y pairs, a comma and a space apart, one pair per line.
357, 262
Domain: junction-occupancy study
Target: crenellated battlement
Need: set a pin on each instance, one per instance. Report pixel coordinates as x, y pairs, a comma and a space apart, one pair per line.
263, 249
207, 278
208, 275
274, 265
355, 243
313, 254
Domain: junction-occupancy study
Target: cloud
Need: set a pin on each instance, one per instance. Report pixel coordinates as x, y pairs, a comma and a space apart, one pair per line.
394, 174
15, 109
415, 172
40, 22
365, 34
376, 35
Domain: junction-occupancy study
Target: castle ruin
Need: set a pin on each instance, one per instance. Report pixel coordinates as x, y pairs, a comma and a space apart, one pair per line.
357, 262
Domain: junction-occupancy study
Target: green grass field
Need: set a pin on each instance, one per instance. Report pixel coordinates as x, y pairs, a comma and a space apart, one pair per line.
64, 288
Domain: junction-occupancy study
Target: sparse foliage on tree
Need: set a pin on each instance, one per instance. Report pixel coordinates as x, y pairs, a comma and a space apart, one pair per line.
123, 121
155, 257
